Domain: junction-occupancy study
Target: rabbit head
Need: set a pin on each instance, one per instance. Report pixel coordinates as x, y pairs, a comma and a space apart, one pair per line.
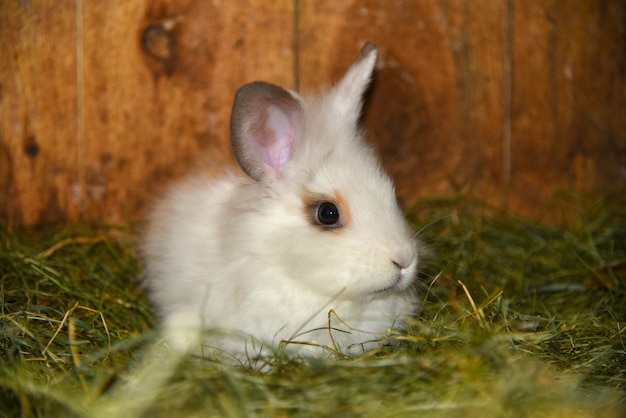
325, 212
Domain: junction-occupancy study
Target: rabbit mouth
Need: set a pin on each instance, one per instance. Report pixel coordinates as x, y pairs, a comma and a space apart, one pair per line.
396, 281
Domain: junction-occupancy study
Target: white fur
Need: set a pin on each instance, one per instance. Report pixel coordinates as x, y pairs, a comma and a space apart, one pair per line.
240, 256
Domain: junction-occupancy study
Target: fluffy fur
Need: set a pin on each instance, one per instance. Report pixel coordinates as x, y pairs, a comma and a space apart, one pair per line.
246, 254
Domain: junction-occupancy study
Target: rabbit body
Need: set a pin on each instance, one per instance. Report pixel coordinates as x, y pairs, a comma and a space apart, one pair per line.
306, 245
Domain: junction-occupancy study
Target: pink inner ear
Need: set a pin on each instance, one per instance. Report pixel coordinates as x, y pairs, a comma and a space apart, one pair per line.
276, 137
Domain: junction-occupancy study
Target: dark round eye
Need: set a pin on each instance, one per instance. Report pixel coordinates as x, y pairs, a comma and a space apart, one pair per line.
328, 214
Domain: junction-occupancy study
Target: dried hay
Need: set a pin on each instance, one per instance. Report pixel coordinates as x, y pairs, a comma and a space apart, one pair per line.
519, 319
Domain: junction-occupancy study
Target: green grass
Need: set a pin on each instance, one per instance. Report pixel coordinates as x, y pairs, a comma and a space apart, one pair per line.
519, 319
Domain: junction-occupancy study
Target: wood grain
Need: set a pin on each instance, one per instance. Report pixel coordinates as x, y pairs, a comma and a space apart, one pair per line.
38, 154
509, 101
129, 103
435, 109
569, 100
102, 105
164, 99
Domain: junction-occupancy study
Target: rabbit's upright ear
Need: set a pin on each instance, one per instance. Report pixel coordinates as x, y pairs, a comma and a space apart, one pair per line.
265, 122
347, 95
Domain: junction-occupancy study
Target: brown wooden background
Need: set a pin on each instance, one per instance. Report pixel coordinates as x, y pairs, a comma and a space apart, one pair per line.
103, 103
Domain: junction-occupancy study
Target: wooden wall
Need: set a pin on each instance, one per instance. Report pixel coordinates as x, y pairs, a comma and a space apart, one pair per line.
103, 103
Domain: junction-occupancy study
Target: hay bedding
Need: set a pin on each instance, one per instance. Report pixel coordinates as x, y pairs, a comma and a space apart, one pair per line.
519, 319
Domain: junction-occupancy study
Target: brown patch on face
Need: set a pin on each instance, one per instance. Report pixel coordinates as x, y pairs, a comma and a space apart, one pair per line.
316, 205
344, 207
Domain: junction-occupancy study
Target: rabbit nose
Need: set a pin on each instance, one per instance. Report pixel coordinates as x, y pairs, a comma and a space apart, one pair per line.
403, 259
400, 265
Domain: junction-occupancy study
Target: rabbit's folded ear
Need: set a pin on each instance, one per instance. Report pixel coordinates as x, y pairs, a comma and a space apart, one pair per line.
347, 95
265, 122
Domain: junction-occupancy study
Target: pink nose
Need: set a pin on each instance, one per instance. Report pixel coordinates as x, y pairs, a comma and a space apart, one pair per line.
403, 259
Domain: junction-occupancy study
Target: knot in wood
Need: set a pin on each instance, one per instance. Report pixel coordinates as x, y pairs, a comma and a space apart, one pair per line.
158, 43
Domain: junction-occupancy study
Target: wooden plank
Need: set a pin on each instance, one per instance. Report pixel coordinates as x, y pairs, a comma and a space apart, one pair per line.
164, 84
144, 93
436, 106
510, 101
569, 100
102, 105
38, 155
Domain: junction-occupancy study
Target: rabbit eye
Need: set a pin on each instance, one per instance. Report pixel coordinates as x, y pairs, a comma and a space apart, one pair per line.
325, 212
328, 214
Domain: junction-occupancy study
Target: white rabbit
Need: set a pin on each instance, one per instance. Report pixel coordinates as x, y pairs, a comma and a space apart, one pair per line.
308, 249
